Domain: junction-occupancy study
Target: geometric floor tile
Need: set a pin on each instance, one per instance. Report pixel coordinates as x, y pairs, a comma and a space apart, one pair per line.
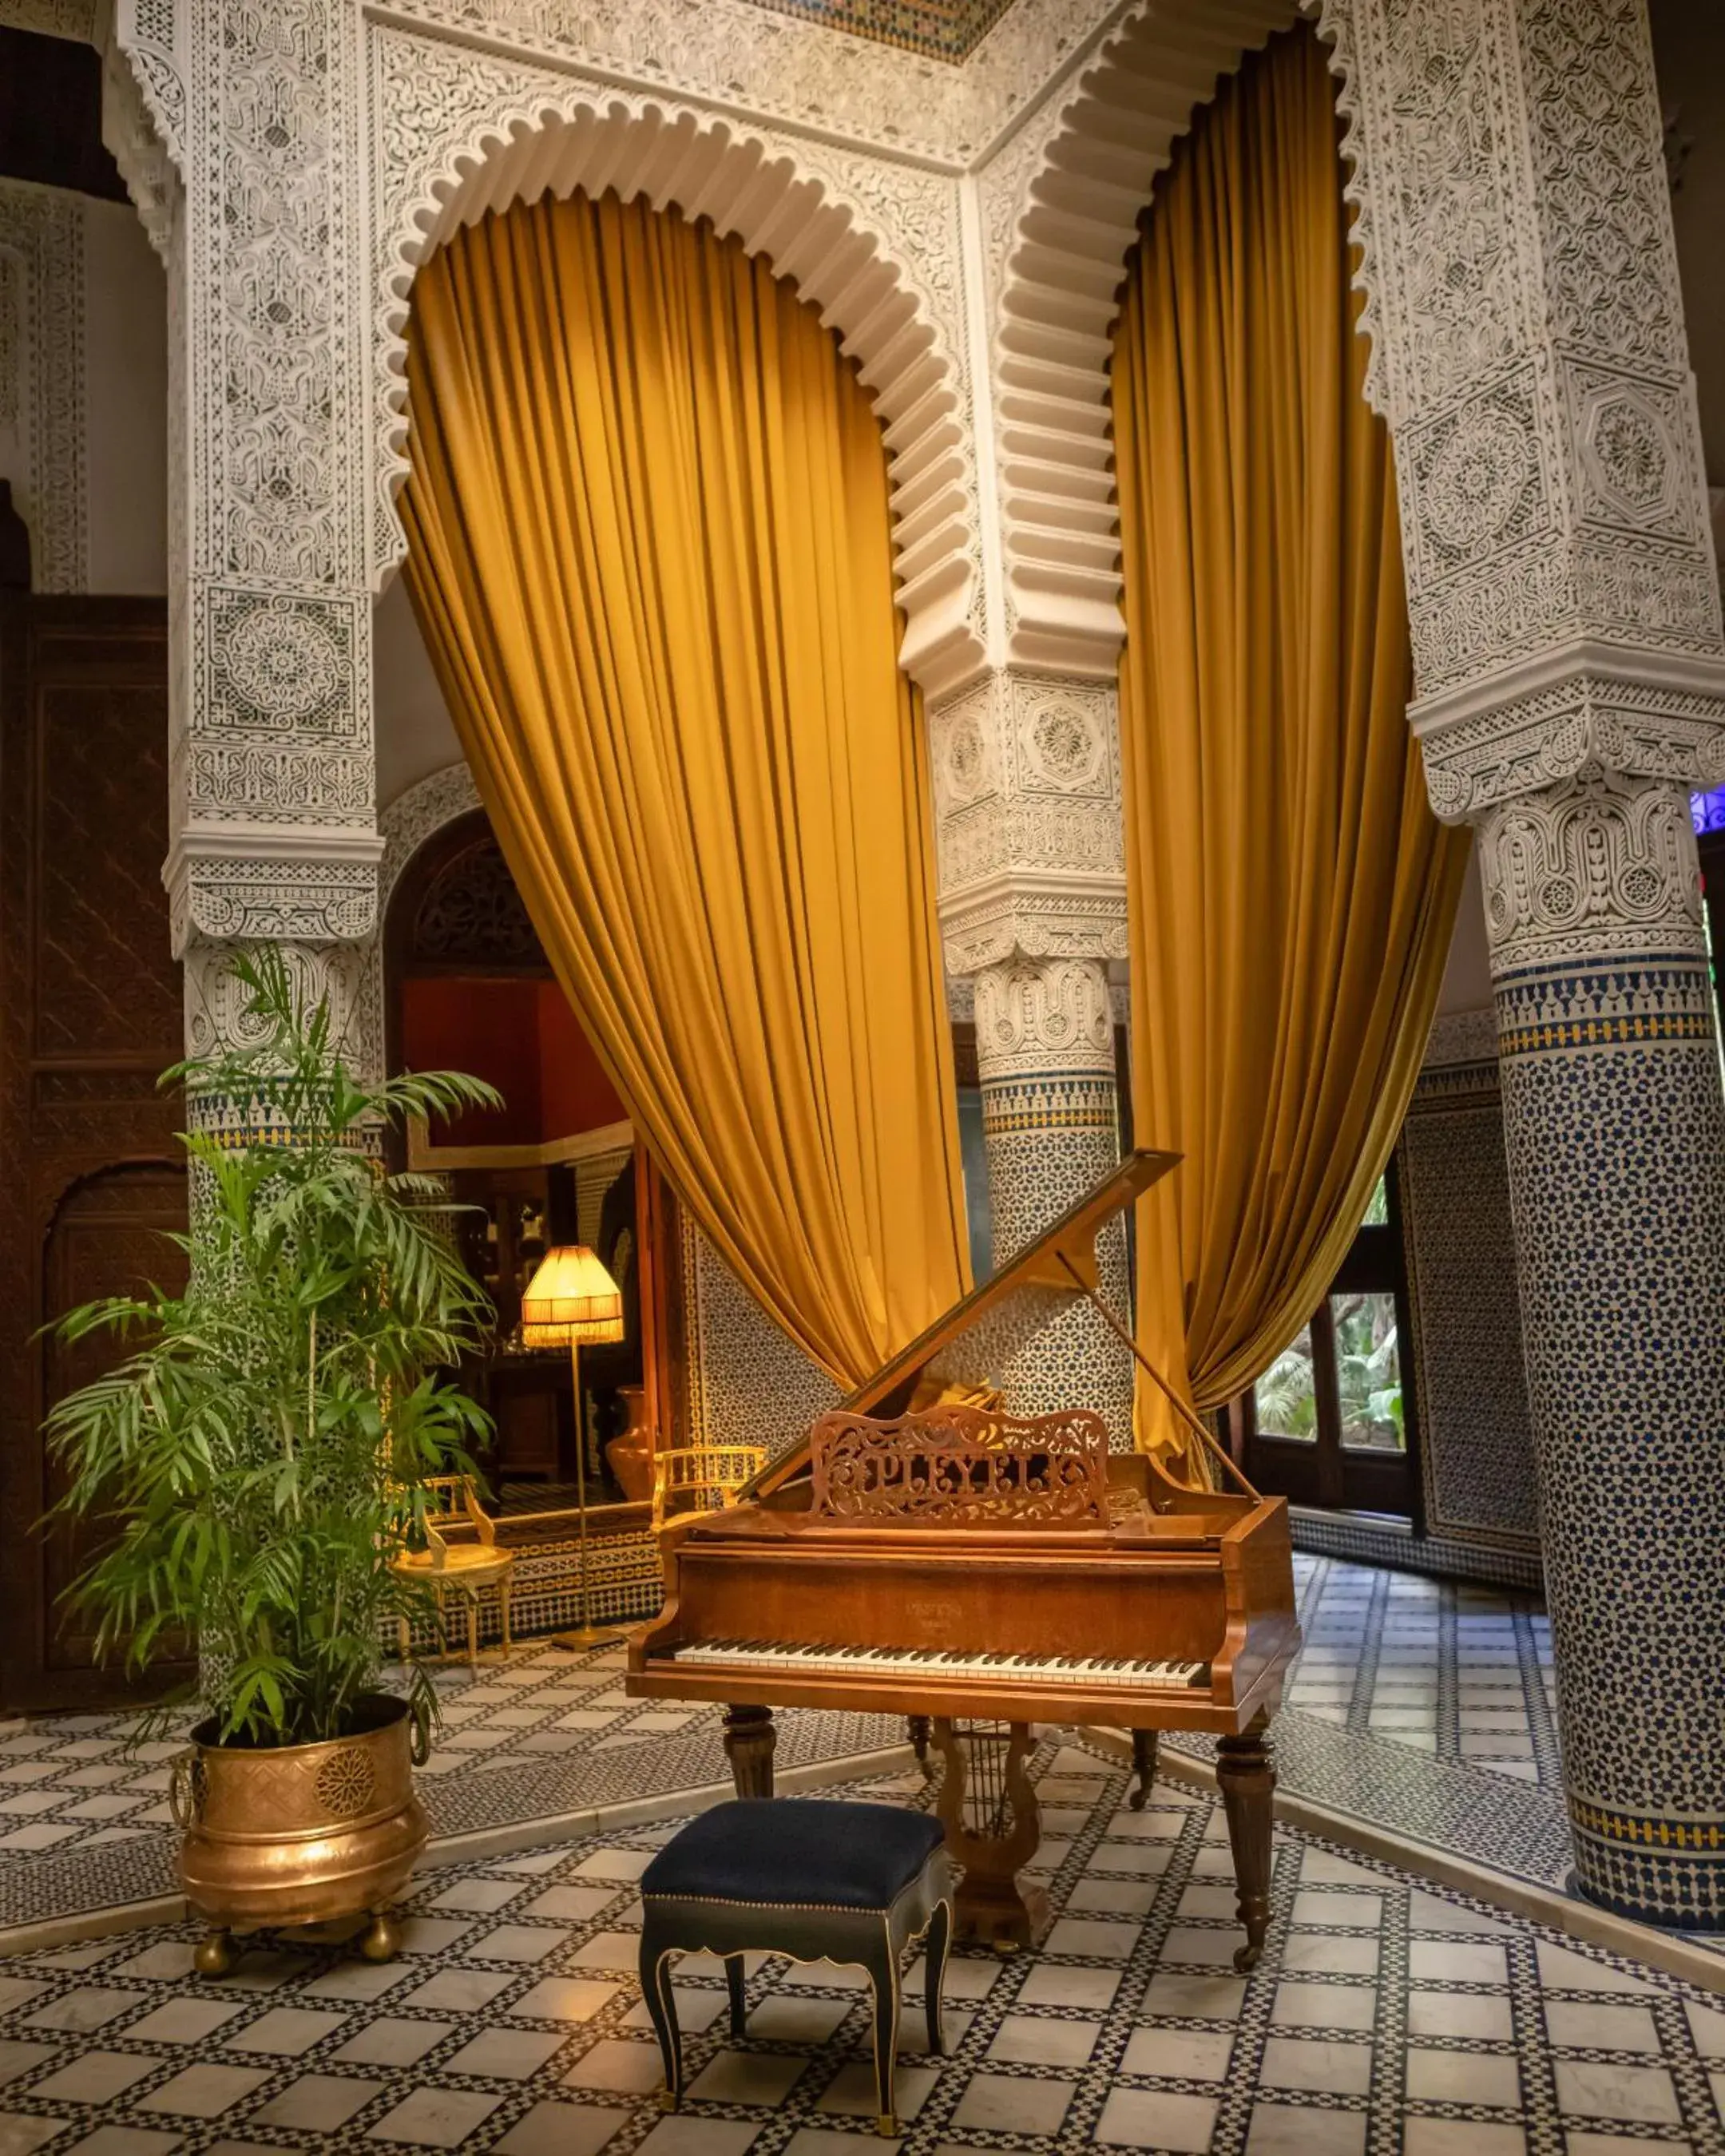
1387, 2017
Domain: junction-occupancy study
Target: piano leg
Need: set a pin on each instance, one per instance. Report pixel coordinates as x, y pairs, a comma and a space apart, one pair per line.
1144, 1743
917, 1727
1246, 1777
749, 1739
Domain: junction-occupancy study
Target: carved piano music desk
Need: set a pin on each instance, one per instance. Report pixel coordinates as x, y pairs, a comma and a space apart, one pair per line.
985, 1573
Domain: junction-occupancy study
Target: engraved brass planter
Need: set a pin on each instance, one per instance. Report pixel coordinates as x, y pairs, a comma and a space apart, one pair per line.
300, 1834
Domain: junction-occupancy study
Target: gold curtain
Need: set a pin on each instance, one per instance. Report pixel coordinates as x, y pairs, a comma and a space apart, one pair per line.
649, 549
1292, 893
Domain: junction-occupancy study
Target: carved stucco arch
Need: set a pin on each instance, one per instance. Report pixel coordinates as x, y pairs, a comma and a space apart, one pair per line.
874, 244
1061, 203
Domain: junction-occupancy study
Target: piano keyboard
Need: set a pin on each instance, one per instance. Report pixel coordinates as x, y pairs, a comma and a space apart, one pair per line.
776, 1657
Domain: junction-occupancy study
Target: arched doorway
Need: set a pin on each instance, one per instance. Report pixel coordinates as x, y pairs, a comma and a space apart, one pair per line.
467, 986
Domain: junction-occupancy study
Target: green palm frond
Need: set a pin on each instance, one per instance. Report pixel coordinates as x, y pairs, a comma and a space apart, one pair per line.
263, 1441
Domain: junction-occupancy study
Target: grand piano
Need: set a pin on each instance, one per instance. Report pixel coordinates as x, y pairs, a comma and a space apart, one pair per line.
920, 1552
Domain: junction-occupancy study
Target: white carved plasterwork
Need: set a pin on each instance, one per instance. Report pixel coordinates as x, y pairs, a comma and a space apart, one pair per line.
799, 73
147, 40
270, 616
1545, 720
42, 376
1028, 833
134, 129
75, 19
1042, 1016
216, 1005
872, 240
1527, 328
1609, 257
1058, 203
1597, 866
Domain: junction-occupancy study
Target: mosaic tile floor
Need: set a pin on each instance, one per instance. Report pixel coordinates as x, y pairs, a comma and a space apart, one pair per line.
1387, 2017
1461, 1672
84, 1817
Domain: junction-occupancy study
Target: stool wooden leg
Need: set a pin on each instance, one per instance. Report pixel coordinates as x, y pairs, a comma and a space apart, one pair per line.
662, 2012
883, 1974
733, 1984
401, 1638
935, 1949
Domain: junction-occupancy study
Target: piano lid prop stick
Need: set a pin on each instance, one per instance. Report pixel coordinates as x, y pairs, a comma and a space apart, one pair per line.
1161, 1384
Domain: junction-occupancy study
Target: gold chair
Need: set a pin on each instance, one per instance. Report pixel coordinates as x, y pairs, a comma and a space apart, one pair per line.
446, 1561
702, 1477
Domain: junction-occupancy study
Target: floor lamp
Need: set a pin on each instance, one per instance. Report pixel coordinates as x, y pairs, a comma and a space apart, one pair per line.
572, 1298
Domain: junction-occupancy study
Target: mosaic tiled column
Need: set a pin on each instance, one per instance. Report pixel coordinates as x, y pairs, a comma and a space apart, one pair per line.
1528, 348
1045, 1037
1616, 1128
1033, 906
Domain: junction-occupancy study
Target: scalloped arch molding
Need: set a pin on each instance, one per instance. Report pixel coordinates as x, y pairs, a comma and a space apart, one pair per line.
873, 244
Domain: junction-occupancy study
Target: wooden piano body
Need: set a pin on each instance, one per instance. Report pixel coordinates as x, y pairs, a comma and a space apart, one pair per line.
959, 1566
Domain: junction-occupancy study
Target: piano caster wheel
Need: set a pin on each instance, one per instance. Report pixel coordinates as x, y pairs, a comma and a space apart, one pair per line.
669, 2099
886, 2125
1246, 1958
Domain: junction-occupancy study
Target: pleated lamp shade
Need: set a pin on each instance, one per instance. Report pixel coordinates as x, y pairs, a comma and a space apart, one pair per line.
571, 1299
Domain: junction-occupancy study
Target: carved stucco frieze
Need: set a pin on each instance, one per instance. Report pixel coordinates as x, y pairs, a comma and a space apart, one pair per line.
42, 410
1028, 831
1531, 725
1596, 867
801, 73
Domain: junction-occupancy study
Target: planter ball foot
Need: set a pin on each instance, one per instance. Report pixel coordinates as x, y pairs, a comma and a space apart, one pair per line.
383, 1941
214, 1953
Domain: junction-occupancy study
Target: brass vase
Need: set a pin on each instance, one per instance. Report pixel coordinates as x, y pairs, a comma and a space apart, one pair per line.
630, 1456
300, 1834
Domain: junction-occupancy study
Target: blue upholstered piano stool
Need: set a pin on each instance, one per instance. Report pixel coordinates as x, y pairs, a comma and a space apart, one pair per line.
817, 1882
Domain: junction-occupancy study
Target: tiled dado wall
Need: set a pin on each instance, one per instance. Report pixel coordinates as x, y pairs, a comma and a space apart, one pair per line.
747, 1383
1477, 1466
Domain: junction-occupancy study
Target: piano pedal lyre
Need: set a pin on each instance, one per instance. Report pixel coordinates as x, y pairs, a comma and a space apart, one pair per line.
987, 1805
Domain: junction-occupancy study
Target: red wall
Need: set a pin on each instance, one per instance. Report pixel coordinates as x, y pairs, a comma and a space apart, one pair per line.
523, 1038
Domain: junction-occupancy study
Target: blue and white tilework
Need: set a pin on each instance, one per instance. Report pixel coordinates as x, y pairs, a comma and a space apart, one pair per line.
1616, 1134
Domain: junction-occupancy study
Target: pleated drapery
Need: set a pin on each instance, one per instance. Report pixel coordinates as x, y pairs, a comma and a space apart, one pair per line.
1292, 895
651, 552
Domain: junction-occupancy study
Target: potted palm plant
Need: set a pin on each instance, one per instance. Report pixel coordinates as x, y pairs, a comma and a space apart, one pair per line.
261, 1454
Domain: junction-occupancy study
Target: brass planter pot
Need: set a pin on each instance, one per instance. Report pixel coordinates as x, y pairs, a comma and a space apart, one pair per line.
300, 1834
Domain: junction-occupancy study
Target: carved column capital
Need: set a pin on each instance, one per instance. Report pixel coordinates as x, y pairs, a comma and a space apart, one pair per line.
1596, 868
1027, 821
1582, 706
1047, 1016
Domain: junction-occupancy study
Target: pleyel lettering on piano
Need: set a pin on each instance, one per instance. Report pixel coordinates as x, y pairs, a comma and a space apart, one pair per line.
920, 1552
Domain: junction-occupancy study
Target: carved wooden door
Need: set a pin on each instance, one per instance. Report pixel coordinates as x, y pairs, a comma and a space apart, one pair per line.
89, 1014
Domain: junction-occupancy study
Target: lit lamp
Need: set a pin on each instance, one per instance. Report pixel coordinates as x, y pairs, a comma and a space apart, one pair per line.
572, 1298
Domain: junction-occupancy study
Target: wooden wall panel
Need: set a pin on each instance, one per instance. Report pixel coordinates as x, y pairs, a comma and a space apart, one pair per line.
89, 1014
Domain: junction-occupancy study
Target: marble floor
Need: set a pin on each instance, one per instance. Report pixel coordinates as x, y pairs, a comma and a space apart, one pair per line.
1388, 2017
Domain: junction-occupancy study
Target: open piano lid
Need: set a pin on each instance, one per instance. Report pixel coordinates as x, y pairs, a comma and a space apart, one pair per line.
1071, 1238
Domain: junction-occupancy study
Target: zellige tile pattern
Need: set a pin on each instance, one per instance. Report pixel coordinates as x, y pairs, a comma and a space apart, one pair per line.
1388, 2018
